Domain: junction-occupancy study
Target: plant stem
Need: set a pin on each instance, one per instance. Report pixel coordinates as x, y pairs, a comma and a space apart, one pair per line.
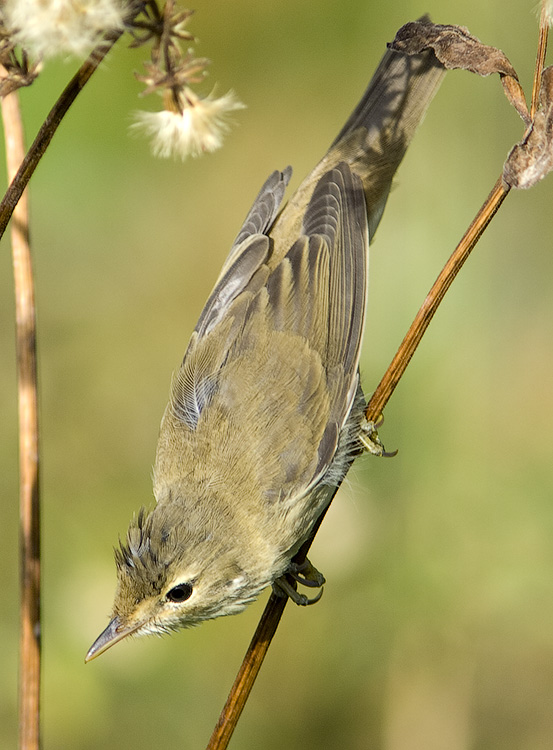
422, 320
20, 167
249, 670
25, 321
540, 58
49, 127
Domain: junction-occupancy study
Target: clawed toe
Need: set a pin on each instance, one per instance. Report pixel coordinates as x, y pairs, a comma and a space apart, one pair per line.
370, 441
306, 575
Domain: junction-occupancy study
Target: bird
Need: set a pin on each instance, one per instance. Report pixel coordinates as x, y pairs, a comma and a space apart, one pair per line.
266, 410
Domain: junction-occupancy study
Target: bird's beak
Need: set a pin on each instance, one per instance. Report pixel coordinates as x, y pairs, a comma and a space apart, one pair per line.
114, 633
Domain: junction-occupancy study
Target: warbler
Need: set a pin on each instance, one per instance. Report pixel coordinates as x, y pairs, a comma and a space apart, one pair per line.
266, 412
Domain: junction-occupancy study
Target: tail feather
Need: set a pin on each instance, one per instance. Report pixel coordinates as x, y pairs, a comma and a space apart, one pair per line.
375, 137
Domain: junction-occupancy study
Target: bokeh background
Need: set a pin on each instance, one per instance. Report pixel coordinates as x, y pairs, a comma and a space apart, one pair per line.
436, 628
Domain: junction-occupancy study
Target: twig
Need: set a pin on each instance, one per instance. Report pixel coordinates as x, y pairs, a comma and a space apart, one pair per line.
257, 650
415, 333
20, 167
499, 63
25, 320
49, 127
540, 57
245, 678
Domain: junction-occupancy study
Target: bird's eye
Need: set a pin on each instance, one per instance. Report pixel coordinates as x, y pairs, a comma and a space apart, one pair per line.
180, 593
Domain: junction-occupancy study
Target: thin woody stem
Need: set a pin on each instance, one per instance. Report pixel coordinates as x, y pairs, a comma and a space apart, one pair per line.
49, 127
540, 58
422, 320
253, 660
20, 167
25, 321
249, 670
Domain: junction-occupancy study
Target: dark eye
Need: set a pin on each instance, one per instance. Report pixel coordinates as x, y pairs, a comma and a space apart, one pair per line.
180, 593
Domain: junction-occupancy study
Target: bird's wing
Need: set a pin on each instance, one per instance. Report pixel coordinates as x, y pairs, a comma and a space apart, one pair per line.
282, 353
319, 291
265, 207
249, 251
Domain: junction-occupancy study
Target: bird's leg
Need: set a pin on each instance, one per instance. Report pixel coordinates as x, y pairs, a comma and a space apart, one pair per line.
368, 435
304, 573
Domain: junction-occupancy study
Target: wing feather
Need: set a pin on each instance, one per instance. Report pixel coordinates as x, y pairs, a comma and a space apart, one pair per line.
310, 307
265, 207
248, 253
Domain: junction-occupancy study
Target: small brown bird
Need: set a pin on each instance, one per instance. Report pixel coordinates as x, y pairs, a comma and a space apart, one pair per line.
266, 411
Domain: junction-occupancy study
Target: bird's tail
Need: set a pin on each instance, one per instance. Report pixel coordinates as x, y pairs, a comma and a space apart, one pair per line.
376, 135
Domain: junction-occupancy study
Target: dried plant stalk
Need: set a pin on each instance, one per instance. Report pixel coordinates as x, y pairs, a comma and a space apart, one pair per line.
249, 670
274, 609
20, 167
25, 321
540, 56
430, 305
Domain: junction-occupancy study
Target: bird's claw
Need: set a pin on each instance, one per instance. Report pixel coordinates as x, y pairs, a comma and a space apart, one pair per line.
305, 574
370, 440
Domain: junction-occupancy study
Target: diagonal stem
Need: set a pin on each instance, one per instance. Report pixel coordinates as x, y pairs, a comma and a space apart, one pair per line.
422, 320
249, 670
49, 127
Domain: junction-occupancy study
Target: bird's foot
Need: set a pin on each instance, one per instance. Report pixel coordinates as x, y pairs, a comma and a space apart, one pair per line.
305, 574
370, 440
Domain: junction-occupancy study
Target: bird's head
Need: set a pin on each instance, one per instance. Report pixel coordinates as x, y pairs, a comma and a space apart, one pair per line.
173, 572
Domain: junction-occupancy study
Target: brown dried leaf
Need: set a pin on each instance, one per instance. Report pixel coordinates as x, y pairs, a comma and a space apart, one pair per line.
456, 48
531, 159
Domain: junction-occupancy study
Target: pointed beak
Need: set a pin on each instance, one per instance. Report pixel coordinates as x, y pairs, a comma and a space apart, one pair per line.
114, 633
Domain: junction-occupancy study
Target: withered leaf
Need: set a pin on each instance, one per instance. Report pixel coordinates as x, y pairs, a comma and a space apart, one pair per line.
456, 48
531, 159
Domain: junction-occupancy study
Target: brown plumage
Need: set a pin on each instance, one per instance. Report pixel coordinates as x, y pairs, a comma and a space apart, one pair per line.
266, 408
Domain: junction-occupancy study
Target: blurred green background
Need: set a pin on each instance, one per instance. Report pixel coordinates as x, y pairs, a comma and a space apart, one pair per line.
436, 627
